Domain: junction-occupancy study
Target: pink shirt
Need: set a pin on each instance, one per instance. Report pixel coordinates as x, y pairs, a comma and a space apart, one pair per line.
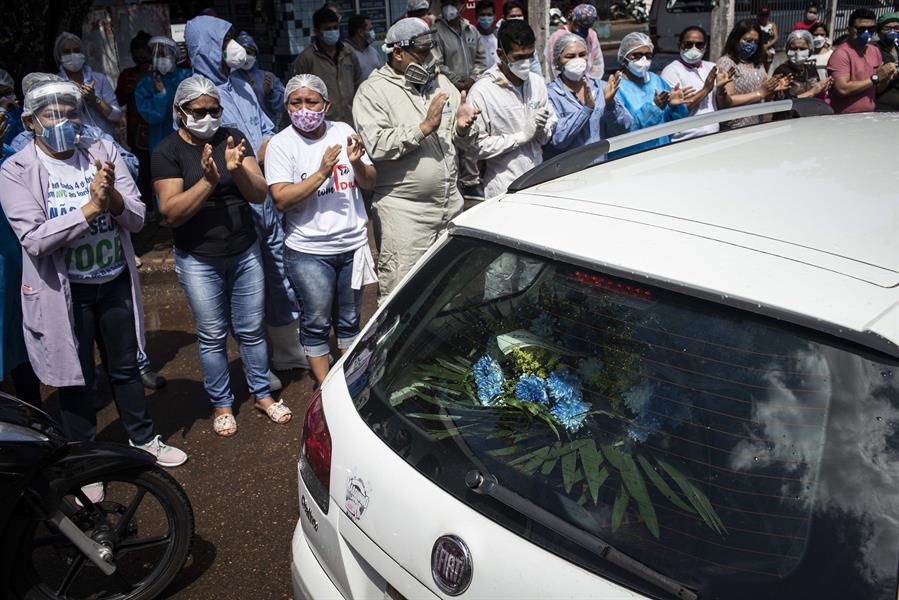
847, 62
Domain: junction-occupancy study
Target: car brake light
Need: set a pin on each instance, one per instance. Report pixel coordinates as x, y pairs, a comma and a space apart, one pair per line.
315, 463
613, 285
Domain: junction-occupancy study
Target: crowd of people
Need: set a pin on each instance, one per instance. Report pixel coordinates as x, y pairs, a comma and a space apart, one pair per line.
270, 187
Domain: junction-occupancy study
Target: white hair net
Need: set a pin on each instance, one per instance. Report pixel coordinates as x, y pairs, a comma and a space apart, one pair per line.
64, 36
801, 34
564, 40
6, 79
404, 31
631, 42
305, 80
37, 78
50, 92
192, 88
417, 5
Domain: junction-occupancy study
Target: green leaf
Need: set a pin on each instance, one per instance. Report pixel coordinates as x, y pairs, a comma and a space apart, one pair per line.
663, 486
504, 451
403, 394
548, 466
569, 464
637, 488
696, 498
535, 463
526, 457
453, 366
619, 507
591, 459
613, 455
430, 417
601, 479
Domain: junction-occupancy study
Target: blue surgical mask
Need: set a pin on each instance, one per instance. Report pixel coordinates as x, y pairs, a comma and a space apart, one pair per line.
62, 136
331, 37
891, 38
485, 22
863, 37
748, 49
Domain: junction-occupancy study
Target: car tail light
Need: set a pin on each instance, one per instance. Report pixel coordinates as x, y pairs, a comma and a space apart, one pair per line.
315, 462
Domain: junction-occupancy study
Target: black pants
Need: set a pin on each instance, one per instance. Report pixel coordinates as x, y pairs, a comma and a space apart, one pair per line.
28, 386
106, 311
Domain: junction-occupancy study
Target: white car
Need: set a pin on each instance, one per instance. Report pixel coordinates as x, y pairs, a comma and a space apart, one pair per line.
671, 375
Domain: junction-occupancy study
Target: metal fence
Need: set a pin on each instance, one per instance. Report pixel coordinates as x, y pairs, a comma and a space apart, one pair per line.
786, 13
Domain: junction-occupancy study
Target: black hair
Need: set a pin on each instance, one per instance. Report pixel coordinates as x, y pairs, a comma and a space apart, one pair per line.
483, 4
518, 33
819, 25
732, 45
859, 14
509, 5
141, 40
356, 23
323, 16
683, 34
812, 5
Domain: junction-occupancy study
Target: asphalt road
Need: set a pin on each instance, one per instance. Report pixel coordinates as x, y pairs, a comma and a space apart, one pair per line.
243, 489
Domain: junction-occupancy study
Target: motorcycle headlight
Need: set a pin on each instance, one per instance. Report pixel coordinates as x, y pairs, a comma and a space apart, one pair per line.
17, 433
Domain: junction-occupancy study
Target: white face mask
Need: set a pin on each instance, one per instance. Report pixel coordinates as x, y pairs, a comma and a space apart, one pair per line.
235, 55
72, 62
203, 128
520, 68
249, 63
691, 55
819, 41
164, 65
811, 17
639, 67
450, 12
574, 69
797, 56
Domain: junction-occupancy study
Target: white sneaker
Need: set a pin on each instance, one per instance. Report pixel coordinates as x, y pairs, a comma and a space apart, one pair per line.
166, 456
95, 492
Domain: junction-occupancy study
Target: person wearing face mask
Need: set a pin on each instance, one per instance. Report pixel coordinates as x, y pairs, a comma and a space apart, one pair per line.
810, 18
583, 17
100, 103
10, 109
459, 46
742, 77
646, 96
216, 55
268, 88
414, 123
206, 177
156, 91
315, 171
333, 62
587, 108
516, 117
822, 48
73, 206
888, 30
484, 11
800, 69
857, 67
362, 42
691, 71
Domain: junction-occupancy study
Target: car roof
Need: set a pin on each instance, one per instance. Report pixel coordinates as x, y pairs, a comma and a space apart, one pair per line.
795, 217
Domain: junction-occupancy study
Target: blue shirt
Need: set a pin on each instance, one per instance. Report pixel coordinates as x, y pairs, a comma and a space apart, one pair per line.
156, 108
578, 124
639, 100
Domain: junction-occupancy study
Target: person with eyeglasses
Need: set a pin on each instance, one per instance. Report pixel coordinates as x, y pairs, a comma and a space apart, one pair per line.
206, 176
888, 30
646, 96
857, 67
742, 78
690, 70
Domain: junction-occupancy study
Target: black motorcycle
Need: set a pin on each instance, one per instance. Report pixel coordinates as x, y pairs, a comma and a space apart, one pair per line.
57, 544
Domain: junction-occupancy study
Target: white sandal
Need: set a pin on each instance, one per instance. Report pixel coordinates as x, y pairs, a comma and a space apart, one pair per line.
277, 411
223, 423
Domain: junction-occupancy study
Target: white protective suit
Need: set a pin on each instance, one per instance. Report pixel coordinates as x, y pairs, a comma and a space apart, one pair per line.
505, 109
416, 193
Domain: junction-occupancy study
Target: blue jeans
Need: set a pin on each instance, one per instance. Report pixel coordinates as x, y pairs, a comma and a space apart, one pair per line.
322, 282
227, 293
280, 303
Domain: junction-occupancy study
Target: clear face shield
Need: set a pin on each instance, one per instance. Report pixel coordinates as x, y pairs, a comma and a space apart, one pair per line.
164, 53
55, 111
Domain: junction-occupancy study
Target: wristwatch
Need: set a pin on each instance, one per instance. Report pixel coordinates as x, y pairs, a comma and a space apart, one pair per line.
875, 78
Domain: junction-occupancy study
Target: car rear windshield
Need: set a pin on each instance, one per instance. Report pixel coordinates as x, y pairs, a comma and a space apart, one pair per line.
738, 454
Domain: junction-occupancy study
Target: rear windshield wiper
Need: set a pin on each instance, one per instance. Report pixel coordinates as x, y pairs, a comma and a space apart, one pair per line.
487, 485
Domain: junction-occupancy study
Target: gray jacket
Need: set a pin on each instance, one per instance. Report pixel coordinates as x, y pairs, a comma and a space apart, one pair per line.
461, 53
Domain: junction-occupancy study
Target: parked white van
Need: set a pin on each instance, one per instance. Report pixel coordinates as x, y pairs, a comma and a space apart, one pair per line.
671, 375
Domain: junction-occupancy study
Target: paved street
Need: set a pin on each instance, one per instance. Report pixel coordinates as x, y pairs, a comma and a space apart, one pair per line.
243, 489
